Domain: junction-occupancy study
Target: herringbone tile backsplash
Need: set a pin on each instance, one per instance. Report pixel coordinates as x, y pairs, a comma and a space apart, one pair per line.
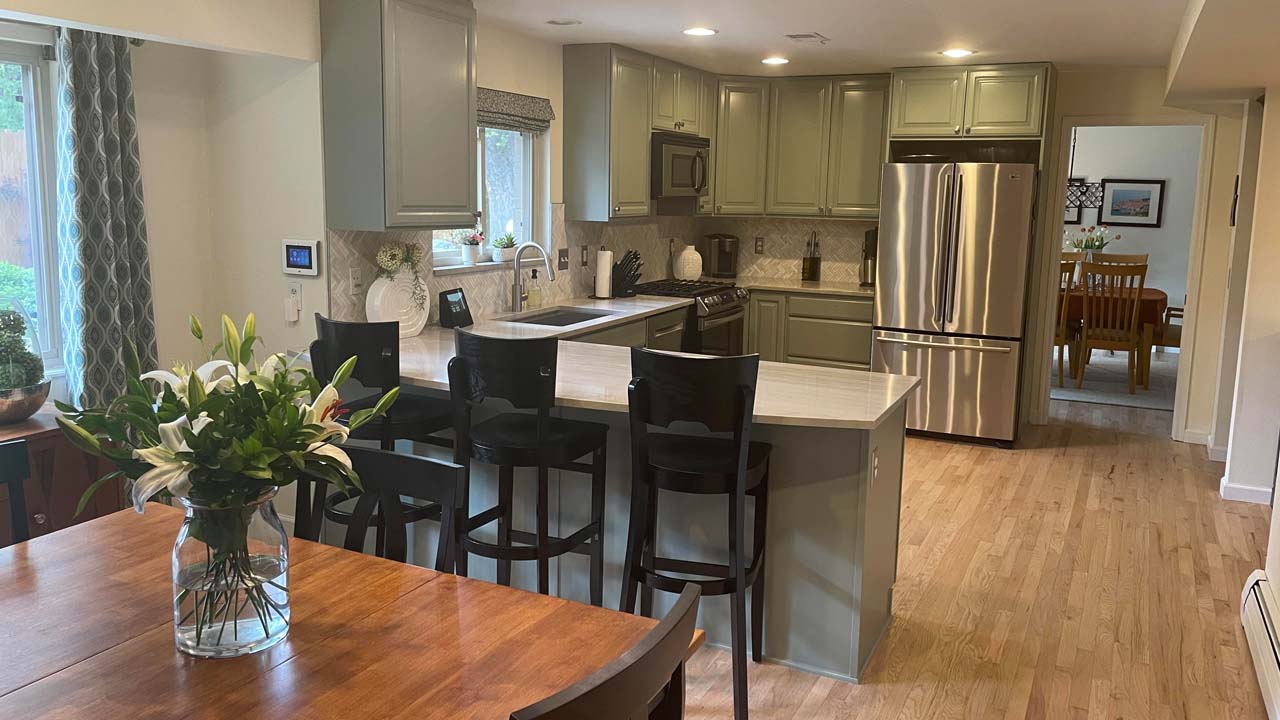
488, 290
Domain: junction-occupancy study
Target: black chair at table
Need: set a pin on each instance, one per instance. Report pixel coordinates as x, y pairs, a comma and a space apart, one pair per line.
523, 373
376, 347
719, 394
647, 681
386, 477
14, 471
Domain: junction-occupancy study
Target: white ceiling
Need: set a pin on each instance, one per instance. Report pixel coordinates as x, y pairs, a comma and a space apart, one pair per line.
866, 35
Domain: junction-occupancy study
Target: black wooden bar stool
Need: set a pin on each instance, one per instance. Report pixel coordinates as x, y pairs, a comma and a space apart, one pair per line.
376, 347
523, 372
718, 393
14, 471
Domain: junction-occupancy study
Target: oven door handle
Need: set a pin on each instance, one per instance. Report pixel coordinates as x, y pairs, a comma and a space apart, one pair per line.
711, 323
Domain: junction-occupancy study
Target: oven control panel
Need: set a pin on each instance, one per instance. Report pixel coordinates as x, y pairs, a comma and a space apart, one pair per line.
722, 301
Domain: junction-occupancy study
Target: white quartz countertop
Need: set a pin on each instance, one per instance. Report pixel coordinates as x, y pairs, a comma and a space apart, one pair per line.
622, 311
819, 287
596, 377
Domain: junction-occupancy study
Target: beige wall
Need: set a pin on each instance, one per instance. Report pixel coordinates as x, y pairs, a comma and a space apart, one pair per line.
1138, 94
289, 28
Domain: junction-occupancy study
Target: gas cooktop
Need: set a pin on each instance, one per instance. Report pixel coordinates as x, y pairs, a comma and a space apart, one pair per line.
710, 298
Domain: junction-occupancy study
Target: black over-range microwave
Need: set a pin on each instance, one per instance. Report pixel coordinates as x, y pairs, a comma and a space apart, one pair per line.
679, 172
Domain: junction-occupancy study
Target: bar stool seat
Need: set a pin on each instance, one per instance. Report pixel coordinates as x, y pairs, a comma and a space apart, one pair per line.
512, 439
411, 416
703, 465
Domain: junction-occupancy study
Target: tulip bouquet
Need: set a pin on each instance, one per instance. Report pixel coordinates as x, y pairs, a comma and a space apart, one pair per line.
221, 438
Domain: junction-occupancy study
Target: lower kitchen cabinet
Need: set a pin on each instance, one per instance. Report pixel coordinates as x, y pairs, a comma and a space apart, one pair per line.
657, 332
811, 329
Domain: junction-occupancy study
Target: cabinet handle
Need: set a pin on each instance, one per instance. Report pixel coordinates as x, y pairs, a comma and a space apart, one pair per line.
719, 207
617, 208
957, 130
968, 130
39, 519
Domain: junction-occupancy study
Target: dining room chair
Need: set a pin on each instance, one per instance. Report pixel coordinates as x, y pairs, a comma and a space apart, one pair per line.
1112, 295
14, 471
1171, 333
646, 681
385, 478
1119, 258
1066, 337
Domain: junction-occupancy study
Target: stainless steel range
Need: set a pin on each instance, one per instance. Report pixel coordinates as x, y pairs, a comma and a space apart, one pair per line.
717, 319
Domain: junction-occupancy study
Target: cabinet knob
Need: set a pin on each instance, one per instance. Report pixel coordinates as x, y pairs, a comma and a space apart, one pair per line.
968, 130
718, 208
617, 208
957, 130
39, 519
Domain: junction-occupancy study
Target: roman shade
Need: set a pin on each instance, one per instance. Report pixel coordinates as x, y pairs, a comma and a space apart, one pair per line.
512, 111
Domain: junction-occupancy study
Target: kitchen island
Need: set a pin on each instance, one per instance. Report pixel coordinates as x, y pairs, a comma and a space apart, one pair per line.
835, 491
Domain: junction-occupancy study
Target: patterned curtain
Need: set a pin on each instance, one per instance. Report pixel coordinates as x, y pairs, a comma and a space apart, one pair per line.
104, 270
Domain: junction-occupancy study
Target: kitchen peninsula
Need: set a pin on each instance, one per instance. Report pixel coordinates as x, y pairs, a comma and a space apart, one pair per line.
835, 488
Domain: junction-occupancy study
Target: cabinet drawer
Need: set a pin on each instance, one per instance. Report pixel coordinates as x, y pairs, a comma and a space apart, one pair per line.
827, 340
831, 308
629, 335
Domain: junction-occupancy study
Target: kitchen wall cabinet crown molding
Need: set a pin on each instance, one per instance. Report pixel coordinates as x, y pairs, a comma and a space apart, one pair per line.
399, 97
969, 101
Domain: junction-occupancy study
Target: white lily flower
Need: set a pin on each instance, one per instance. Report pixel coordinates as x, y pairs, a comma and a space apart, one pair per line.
179, 379
169, 472
333, 451
267, 372
322, 412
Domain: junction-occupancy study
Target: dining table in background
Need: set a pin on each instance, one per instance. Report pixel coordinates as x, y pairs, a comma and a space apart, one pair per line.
1151, 308
88, 632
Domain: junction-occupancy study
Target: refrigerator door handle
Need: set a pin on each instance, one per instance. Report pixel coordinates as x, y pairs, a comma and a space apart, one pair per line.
940, 292
944, 346
957, 227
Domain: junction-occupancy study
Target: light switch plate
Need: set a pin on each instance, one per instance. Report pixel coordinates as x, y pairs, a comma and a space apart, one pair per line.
759, 246
355, 278
562, 259
585, 260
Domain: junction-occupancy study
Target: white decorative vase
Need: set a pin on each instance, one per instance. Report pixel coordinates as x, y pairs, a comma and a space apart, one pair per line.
470, 253
503, 254
392, 299
688, 264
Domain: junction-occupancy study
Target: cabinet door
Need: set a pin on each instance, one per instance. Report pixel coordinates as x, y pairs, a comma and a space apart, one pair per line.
429, 77
928, 101
707, 129
666, 82
1005, 101
629, 117
741, 140
768, 313
799, 113
857, 148
689, 101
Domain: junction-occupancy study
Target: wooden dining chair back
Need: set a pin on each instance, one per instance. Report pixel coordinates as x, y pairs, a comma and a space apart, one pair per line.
1119, 258
1112, 295
385, 478
1075, 257
14, 471
646, 682
1064, 337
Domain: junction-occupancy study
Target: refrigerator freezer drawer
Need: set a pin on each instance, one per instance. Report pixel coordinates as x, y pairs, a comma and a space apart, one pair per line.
968, 386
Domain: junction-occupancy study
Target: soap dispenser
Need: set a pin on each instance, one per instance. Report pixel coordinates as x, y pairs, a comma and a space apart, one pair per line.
535, 292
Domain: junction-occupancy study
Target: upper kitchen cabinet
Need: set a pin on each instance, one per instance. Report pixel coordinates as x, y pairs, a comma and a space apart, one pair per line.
608, 97
799, 113
399, 109
741, 140
709, 98
677, 98
859, 109
978, 101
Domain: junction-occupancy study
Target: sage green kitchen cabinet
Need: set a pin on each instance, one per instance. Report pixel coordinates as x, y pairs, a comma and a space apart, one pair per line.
742, 126
799, 137
677, 97
859, 109
1005, 101
631, 334
766, 318
399, 113
689, 101
928, 101
709, 99
608, 95
666, 331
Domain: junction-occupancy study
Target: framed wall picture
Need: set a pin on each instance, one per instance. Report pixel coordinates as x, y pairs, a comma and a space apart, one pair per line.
1132, 203
1074, 189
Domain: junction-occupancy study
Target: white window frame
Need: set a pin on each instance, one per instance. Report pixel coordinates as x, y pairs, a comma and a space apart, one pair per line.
453, 258
44, 214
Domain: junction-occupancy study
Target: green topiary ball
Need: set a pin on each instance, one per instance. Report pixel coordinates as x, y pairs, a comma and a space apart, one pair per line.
12, 323
19, 367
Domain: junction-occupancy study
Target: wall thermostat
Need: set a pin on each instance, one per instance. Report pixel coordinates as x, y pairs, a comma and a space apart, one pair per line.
302, 257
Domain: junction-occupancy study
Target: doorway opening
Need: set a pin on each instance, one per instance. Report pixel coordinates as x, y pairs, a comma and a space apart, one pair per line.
1132, 202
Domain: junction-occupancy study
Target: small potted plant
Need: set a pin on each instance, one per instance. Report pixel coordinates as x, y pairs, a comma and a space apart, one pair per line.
23, 387
504, 248
471, 247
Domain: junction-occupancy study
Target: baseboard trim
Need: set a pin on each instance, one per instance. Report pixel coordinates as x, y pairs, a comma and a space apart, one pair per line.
1257, 613
1218, 453
1244, 493
1194, 437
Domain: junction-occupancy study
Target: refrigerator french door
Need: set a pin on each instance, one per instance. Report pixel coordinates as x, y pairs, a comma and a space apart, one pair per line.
951, 286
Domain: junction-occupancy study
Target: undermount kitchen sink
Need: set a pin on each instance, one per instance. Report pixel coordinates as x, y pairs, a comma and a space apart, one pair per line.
562, 316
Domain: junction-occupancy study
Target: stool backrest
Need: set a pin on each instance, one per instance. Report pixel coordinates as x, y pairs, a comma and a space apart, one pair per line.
522, 372
707, 390
385, 477
375, 345
647, 681
14, 471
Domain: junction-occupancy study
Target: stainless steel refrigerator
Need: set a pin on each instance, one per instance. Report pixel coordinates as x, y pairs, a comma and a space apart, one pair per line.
951, 289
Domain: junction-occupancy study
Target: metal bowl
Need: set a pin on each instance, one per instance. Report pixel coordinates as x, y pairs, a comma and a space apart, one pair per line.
19, 404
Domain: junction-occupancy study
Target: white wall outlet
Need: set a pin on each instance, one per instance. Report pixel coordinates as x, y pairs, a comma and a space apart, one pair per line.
355, 278
759, 246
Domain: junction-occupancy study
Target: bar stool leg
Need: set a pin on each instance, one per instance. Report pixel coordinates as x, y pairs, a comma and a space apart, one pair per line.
597, 517
635, 544
738, 605
506, 475
760, 524
650, 548
544, 565
462, 524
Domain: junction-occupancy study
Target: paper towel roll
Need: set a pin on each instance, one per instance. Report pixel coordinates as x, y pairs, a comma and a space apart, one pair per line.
604, 273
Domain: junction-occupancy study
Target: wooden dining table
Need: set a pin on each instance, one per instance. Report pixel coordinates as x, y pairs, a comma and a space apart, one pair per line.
87, 631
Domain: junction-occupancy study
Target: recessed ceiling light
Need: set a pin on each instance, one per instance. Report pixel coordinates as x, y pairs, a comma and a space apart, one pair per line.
564, 22
957, 53
700, 31
775, 60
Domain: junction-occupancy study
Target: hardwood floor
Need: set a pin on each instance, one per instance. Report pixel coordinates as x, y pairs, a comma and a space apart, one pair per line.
1092, 573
